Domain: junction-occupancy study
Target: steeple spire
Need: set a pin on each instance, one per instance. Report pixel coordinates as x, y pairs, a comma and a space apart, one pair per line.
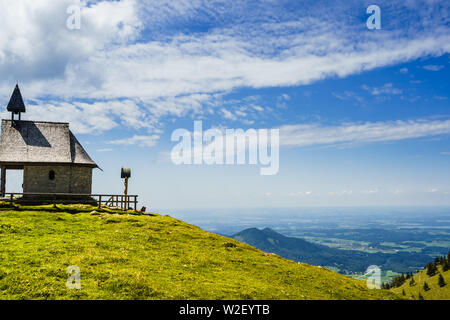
16, 105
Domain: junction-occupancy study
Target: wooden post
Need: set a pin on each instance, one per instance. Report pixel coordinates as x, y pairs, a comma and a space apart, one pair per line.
135, 203
3, 182
99, 202
12, 200
126, 193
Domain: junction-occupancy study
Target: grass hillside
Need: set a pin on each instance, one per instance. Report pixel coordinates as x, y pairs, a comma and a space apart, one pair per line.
435, 293
127, 256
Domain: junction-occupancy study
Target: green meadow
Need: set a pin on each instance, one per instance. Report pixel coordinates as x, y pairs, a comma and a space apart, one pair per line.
126, 255
435, 292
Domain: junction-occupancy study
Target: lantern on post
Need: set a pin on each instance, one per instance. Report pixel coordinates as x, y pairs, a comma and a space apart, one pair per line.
125, 173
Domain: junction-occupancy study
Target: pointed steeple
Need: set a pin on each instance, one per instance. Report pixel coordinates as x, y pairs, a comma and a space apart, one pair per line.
16, 104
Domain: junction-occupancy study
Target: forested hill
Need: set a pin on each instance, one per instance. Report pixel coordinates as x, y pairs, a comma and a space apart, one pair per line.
347, 261
432, 283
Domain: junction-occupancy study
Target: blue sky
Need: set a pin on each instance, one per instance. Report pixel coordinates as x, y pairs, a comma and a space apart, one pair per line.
363, 114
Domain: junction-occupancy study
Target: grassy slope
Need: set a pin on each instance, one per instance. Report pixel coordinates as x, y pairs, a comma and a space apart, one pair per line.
148, 257
435, 292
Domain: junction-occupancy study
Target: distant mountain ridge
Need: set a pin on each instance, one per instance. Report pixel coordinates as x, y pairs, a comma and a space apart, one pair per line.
270, 239
346, 261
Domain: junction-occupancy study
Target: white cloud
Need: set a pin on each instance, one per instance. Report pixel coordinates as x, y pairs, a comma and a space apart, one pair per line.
300, 193
101, 62
141, 141
387, 89
94, 117
360, 133
168, 73
36, 45
372, 191
228, 115
348, 94
433, 67
248, 122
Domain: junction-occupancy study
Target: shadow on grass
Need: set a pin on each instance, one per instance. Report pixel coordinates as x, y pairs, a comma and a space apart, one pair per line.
71, 209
